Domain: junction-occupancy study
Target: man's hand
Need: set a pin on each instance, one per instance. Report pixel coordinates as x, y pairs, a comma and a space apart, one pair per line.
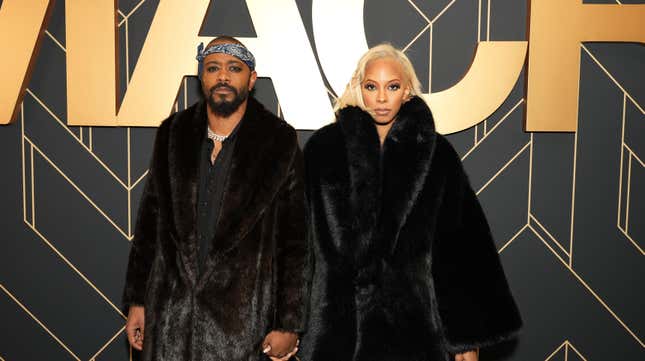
134, 326
468, 356
280, 346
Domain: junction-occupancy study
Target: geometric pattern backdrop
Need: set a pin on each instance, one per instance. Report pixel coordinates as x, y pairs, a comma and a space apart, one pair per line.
566, 209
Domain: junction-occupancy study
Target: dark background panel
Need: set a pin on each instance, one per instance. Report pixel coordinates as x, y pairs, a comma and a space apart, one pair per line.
64, 217
110, 144
636, 228
48, 77
505, 200
552, 184
508, 20
492, 153
21, 332
453, 44
597, 243
84, 169
398, 23
625, 63
556, 308
141, 142
634, 128
230, 17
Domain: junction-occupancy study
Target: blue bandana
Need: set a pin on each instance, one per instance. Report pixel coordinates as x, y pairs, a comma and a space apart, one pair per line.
236, 50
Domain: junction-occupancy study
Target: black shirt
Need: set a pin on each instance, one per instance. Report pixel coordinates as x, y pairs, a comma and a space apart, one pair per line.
212, 181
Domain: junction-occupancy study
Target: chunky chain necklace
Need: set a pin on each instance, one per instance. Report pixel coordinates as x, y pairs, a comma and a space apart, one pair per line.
214, 136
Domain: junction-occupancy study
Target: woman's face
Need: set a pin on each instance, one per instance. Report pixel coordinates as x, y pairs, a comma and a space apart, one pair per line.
384, 89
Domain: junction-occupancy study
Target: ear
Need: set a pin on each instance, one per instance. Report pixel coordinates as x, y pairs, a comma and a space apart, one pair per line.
407, 94
252, 79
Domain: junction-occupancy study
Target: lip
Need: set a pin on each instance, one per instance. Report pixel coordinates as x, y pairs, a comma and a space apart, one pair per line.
223, 90
382, 111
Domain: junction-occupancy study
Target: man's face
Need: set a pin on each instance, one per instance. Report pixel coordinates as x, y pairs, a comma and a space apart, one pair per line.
226, 83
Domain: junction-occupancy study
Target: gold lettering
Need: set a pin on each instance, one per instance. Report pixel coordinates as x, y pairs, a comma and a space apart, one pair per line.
21, 29
167, 56
557, 28
92, 79
482, 90
486, 85
332, 21
297, 82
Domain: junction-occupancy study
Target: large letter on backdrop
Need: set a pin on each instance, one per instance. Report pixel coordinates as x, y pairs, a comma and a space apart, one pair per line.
284, 54
557, 29
168, 55
340, 41
491, 77
282, 50
340, 38
92, 71
21, 26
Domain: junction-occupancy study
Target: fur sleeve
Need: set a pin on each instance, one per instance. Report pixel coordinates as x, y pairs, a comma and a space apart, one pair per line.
293, 251
144, 242
475, 304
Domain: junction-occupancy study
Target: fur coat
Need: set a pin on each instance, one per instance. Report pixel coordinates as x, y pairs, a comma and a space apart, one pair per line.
255, 278
405, 266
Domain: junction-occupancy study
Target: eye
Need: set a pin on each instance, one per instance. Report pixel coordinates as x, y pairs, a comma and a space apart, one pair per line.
212, 69
394, 87
369, 87
235, 68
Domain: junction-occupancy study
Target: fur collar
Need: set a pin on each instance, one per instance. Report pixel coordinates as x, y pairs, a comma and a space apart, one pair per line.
385, 182
263, 143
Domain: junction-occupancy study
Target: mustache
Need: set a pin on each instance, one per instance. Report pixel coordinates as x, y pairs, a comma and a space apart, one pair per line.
222, 85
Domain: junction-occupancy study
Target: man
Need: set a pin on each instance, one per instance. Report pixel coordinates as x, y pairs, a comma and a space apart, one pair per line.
219, 258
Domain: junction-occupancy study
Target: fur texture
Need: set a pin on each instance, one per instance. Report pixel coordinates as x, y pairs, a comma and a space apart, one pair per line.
256, 275
405, 266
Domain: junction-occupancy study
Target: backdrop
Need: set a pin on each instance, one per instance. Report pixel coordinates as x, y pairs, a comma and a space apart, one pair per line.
566, 209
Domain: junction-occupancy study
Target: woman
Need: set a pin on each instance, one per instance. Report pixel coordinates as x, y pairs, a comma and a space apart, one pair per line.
406, 269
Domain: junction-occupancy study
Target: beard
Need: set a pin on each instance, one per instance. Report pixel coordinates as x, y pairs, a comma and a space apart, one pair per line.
218, 103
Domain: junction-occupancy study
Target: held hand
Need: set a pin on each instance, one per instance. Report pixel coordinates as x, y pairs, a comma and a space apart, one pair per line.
134, 327
468, 356
280, 346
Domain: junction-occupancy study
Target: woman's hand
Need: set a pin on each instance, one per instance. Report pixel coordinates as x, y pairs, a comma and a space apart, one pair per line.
468, 356
280, 346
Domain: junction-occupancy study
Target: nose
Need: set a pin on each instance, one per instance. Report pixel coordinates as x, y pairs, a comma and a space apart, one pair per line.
381, 97
223, 76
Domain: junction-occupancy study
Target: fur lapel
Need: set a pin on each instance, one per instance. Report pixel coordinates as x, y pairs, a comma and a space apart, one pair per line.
255, 177
384, 186
363, 158
407, 154
252, 183
187, 130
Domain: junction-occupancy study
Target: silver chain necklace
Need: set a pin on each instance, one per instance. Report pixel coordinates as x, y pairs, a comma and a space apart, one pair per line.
214, 136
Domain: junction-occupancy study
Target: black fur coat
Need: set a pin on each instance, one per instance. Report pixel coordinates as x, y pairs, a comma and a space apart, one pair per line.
405, 266
255, 278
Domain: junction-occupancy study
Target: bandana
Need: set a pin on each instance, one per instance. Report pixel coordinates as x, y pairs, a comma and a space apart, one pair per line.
232, 49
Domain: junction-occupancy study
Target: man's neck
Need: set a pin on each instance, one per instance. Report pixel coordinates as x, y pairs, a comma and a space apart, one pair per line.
225, 125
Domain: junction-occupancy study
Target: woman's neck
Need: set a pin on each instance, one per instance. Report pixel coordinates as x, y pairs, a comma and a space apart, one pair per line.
382, 130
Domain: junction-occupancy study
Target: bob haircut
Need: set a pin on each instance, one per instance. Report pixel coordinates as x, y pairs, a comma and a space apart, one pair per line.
352, 95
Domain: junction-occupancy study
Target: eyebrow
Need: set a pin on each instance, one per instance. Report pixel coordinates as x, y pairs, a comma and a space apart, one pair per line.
228, 62
389, 81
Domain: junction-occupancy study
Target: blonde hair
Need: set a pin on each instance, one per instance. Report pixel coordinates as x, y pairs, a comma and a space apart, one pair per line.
352, 95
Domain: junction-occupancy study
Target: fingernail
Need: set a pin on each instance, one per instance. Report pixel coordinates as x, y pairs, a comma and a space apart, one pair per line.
266, 349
